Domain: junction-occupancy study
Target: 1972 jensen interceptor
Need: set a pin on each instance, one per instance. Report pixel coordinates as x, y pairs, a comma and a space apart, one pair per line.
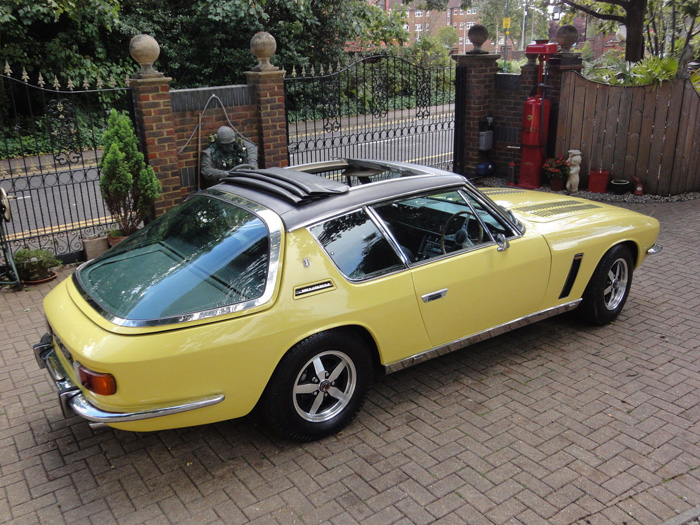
288, 289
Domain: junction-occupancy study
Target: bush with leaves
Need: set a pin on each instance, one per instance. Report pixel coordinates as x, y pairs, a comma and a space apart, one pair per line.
612, 69
128, 186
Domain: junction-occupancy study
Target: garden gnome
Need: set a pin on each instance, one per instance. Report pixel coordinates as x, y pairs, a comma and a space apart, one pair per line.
226, 152
574, 162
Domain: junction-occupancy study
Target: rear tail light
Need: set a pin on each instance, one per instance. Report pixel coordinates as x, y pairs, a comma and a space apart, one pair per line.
103, 384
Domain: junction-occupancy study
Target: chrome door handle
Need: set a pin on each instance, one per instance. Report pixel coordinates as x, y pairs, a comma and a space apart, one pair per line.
432, 296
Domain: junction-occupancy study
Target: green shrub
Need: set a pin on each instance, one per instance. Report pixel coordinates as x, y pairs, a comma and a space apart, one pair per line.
128, 186
34, 265
612, 69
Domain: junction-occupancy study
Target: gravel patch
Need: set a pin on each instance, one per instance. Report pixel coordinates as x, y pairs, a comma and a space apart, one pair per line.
498, 182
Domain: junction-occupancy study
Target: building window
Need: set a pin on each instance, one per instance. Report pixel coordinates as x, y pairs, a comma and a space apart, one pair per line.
461, 26
455, 11
461, 40
470, 25
471, 11
419, 13
419, 28
427, 28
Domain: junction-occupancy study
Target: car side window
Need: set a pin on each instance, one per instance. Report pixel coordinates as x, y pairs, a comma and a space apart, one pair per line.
356, 246
432, 225
492, 222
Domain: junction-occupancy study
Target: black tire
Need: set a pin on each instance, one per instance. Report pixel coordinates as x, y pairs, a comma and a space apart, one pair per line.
335, 365
609, 287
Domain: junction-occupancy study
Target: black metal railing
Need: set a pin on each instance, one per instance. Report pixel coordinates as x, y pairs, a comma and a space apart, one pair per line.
380, 107
50, 147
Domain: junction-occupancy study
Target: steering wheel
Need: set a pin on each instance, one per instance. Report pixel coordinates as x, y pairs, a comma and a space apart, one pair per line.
462, 237
242, 167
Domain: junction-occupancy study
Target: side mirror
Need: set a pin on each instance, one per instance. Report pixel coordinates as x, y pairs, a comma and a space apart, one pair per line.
502, 242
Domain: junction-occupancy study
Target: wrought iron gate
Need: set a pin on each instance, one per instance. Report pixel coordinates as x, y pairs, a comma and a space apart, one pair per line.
380, 107
50, 146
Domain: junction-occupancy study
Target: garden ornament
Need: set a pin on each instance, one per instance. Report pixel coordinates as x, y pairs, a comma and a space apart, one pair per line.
227, 151
574, 168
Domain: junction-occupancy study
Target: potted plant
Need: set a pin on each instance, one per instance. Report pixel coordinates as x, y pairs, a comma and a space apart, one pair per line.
557, 170
128, 186
34, 266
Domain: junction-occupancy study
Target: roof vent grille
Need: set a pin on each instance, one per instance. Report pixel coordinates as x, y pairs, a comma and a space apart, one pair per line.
293, 186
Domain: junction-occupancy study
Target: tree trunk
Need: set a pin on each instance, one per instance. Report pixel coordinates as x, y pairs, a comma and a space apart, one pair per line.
634, 21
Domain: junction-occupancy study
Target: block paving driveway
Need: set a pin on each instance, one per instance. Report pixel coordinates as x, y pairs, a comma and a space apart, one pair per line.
554, 423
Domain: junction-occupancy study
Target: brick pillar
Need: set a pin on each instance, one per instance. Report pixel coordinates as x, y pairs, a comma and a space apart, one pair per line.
154, 120
474, 93
270, 109
271, 117
558, 65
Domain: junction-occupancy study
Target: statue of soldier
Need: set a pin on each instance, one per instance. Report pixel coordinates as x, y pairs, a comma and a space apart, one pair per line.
224, 154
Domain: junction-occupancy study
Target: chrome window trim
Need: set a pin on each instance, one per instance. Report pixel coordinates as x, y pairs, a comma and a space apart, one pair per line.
381, 230
344, 211
381, 225
517, 229
274, 226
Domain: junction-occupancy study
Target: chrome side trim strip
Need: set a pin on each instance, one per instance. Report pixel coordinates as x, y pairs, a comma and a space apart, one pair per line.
481, 336
655, 249
73, 402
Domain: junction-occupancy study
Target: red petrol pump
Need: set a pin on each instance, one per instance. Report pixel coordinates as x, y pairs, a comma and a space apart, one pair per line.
535, 121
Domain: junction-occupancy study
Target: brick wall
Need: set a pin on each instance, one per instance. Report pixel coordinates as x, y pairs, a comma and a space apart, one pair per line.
482, 91
174, 126
510, 91
212, 107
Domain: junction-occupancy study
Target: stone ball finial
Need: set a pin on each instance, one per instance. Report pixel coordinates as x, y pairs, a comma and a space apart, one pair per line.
567, 36
145, 50
263, 45
478, 34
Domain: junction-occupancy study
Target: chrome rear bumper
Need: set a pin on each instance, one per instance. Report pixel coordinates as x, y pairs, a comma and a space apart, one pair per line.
73, 402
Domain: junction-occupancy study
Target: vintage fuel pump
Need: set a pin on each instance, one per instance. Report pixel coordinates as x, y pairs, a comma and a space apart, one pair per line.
536, 121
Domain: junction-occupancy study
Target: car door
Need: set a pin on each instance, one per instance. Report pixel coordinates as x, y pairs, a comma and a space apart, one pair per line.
463, 283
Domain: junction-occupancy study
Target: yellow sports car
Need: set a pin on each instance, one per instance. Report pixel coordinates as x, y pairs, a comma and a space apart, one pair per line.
289, 289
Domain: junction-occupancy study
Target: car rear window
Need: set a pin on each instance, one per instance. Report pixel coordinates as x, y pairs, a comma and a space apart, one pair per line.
203, 255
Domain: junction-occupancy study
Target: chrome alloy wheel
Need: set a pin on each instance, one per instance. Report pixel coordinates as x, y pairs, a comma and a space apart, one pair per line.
616, 284
324, 386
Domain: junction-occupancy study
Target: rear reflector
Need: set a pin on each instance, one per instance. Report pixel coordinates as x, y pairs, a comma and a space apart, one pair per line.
103, 384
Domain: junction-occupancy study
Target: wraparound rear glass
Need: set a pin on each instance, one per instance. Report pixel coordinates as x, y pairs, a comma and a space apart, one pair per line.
207, 253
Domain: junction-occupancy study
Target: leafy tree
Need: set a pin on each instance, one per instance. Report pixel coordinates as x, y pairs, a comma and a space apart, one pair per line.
43, 35
128, 186
203, 42
650, 24
447, 36
206, 42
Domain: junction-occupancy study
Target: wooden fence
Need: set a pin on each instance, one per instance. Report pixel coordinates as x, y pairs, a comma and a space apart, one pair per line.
648, 132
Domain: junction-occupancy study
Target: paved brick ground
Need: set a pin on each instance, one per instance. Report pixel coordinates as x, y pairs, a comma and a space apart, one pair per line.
555, 423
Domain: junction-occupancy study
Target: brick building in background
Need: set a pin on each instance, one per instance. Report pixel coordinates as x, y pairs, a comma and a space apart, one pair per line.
421, 23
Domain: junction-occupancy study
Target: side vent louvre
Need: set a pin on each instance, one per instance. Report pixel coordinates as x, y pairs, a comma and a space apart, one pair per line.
573, 273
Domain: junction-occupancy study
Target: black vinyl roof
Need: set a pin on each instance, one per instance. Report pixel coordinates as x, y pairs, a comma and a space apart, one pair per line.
301, 198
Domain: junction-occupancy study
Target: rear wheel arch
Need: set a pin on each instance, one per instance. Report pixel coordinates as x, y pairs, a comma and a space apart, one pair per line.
338, 363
